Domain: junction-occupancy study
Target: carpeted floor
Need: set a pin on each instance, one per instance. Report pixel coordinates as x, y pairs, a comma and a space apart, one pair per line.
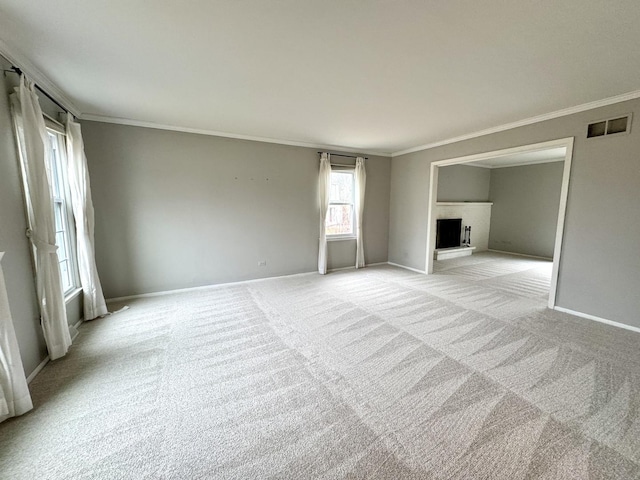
379, 373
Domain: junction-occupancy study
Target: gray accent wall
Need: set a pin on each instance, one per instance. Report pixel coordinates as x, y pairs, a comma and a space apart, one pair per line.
599, 270
525, 208
177, 210
463, 183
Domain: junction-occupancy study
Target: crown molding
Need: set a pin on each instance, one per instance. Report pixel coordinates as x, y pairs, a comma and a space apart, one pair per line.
527, 121
14, 56
215, 133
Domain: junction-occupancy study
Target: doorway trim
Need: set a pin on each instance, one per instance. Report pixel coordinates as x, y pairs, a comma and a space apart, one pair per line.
562, 209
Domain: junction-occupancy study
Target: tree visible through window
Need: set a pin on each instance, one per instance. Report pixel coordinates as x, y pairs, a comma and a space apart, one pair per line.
341, 213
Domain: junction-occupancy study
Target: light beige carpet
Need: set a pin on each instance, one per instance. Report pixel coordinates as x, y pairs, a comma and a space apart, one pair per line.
379, 373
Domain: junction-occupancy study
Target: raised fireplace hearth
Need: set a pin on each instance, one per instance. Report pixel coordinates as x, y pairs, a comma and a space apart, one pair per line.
453, 252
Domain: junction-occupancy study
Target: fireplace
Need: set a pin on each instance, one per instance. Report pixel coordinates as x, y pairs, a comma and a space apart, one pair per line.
448, 232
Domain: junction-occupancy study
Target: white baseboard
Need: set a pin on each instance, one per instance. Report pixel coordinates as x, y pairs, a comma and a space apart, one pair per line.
597, 319
407, 268
339, 269
202, 287
354, 268
38, 369
226, 284
519, 254
46, 360
75, 328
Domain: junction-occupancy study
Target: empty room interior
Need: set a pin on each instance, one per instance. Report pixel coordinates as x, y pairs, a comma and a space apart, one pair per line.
304, 239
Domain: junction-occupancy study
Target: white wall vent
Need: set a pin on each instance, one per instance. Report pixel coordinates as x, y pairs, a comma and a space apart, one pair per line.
612, 126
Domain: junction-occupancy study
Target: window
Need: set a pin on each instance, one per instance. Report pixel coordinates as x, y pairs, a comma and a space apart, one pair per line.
62, 212
341, 215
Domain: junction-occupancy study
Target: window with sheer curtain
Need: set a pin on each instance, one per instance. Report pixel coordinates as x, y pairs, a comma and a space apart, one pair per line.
62, 210
340, 220
38, 176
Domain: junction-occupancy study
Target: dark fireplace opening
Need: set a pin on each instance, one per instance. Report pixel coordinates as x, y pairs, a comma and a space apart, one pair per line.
448, 231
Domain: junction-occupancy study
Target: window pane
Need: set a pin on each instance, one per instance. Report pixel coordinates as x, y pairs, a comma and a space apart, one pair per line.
55, 165
65, 275
57, 208
340, 220
341, 187
57, 159
62, 246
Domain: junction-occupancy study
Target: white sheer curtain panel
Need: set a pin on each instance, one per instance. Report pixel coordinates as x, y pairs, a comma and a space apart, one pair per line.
78, 173
361, 182
324, 185
32, 137
14, 393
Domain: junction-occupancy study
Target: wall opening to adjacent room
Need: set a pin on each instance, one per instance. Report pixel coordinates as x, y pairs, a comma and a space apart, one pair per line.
476, 212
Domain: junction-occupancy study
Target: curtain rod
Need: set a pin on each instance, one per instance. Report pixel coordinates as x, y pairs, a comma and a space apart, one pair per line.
346, 156
18, 71
341, 165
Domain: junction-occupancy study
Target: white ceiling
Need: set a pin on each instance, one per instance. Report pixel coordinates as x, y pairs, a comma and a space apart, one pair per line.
374, 76
527, 158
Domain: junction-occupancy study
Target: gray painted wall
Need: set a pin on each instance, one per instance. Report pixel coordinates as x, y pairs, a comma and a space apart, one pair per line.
177, 210
599, 271
17, 264
462, 183
525, 208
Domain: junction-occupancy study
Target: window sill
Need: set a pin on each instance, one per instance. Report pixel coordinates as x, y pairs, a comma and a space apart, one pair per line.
338, 238
72, 294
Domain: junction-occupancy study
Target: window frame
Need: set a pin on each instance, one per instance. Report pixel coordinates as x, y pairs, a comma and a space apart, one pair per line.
332, 237
67, 219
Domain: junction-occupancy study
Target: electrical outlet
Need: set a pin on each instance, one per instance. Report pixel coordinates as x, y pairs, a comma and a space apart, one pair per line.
262, 263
